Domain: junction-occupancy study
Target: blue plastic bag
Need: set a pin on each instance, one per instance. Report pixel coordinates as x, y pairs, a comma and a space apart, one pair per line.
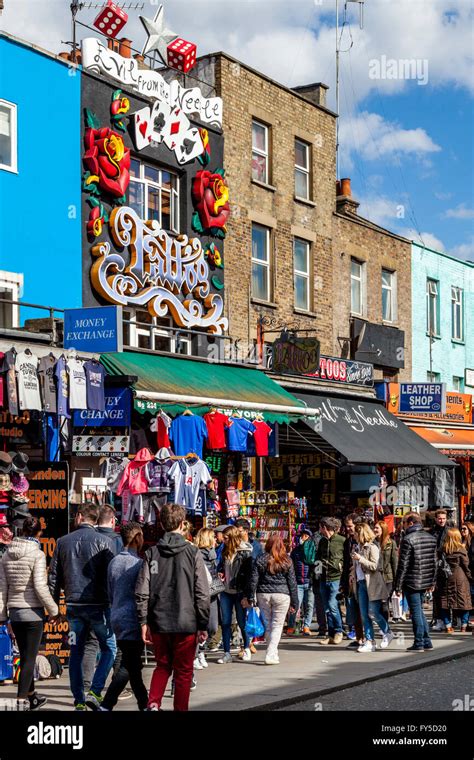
6, 654
255, 624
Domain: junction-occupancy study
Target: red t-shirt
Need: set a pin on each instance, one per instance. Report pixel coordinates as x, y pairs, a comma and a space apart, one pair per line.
216, 423
163, 423
261, 436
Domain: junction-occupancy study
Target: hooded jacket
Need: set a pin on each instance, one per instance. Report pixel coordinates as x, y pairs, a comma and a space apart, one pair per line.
238, 571
454, 592
417, 562
172, 590
23, 578
134, 476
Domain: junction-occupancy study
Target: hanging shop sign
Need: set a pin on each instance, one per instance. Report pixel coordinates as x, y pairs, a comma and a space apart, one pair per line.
96, 57
422, 397
295, 356
458, 406
344, 371
21, 428
96, 330
98, 445
379, 344
48, 495
169, 275
118, 411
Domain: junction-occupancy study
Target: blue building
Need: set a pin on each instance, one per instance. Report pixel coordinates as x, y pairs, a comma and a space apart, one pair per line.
442, 319
40, 179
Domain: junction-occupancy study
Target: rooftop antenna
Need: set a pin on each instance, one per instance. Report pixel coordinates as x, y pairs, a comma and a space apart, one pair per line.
338, 51
77, 6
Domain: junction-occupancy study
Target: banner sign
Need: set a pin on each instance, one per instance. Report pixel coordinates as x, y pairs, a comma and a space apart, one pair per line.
344, 371
458, 406
96, 330
118, 411
295, 356
422, 397
97, 445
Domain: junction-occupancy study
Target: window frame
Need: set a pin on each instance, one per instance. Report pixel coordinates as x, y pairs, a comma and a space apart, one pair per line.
155, 330
435, 333
174, 192
265, 153
303, 275
457, 304
12, 281
305, 170
458, 381
363, 289
393, 296
433, 377
268, 264
13, 107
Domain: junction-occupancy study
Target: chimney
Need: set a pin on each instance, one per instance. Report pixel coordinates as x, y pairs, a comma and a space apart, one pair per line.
113, 45
125, 47
345, 203
69, 57
315, 93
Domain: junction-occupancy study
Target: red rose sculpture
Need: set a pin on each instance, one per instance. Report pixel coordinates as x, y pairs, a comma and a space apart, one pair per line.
108, 161
211, 201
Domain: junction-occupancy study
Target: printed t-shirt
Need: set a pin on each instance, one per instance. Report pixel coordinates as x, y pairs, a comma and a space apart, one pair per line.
62, 381
188, 480
77, 384
49, 391
161, 425
188, 433
261, 435
26, 366
8, 367
238, 432
216, 424
95, 374
2, 384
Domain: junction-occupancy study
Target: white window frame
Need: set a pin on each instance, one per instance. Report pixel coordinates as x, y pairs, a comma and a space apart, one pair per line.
155, 330
432, 290
305, 170
267, 264
433, 377
363, 290
12, 281
12, 107
297, 273
392, 288
458, 383
148, 183
259, 152
457, 304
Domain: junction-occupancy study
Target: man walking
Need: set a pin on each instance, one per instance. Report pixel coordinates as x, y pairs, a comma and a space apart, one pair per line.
79, 567
173, 604
330, 555
439, 531
244, 527
416, 574
304, 586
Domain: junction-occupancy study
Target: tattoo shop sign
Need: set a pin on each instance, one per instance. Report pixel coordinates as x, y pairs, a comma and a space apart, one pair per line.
295, 356
344, 371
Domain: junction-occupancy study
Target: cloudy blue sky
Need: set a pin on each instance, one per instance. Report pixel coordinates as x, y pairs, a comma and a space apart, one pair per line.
406, 142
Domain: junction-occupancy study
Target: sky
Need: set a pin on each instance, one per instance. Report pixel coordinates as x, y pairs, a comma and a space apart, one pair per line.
406, 89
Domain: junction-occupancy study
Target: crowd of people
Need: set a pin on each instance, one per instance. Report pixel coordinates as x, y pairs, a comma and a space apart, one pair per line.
186, 596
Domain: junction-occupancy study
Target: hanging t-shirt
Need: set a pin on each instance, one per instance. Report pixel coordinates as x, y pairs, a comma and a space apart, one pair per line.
46, 367
62, 382
261, 435
161, 425
188, 479
188, 433
239, 429
2, 384
216, 424
26, 367
8, 367
95, 375
77, 384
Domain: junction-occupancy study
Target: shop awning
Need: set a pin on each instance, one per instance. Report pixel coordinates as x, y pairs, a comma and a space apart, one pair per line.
448, 439
366, 433
174, 384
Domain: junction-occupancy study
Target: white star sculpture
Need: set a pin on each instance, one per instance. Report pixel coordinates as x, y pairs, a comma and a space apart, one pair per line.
158, 37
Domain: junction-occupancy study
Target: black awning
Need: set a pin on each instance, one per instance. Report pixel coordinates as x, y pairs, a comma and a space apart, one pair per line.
367, 433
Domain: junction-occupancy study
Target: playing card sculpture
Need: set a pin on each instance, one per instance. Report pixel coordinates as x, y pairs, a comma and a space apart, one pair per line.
110, 20
210, 195
159, 123
174, 51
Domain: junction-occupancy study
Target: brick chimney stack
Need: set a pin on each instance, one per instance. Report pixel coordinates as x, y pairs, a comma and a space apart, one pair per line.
345, 203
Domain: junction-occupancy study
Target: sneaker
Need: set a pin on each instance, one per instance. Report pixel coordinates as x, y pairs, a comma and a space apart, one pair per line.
367, 646
290, 631
202, 660
352, 635
247, 655
272, 660
193, 683
323, 640
414, 648
307, 631
336, 639
449, 629
197, 664
36, 701
153, 707
387, 639
225, 659
438, 626
428, 646
80, 707
253, 648
93, 700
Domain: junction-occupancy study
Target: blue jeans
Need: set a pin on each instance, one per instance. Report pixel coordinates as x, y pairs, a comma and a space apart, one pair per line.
446, 617
375, 610
227, 603
329, 591
363, 599
421, 631
305, 598
81, 620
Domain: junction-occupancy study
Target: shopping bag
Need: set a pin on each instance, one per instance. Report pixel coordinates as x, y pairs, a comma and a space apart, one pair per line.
396, 607
255, 624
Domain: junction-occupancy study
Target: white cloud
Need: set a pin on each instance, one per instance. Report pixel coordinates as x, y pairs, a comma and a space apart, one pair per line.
464, 250
423, 238
443, 196
381, 210
460, 212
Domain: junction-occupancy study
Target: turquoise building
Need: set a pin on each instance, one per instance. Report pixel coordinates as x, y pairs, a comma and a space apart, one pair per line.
442, 319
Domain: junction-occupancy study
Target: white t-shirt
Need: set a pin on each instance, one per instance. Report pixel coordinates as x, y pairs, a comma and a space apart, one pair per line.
360, 575
188, 483
77, 384
26, 368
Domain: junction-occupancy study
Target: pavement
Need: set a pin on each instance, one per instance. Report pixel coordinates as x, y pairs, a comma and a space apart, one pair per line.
307, 671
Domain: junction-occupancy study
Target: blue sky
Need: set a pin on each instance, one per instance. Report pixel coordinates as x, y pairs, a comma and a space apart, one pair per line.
407, 147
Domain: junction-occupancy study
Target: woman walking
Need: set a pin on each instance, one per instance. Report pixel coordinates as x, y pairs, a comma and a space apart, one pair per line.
274, 582
389, 552
234, 568
24, 594
453, 581
370, 587
205, 540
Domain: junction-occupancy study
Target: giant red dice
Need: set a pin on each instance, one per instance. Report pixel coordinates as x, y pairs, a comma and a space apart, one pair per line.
181, 54
111, 19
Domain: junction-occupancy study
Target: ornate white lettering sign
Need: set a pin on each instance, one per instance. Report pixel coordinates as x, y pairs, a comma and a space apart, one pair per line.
98, 58
167, 275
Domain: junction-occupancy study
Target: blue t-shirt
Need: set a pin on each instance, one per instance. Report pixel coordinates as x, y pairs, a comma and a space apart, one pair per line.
95, 374
238, 433
188, 433
62, 381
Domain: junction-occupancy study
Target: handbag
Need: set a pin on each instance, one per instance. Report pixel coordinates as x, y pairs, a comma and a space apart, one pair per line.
255, 624
444, 567
216, 586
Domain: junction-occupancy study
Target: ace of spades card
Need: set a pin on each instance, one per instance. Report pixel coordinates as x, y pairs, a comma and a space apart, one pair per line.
191, 146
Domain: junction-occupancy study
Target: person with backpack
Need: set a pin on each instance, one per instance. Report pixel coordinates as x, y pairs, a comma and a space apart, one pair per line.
304, 585
173, 604
453, 591
329, 562
310, 548
205, 541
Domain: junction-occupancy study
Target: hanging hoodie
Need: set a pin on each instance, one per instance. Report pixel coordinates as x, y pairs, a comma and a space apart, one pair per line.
134, 476
157, 472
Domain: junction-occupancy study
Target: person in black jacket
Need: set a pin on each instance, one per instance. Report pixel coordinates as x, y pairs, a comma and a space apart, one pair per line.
273, 579
173, 601
416, 574
303, 580
79, 567
439, 531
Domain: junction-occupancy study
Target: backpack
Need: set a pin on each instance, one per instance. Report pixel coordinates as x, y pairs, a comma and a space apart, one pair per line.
56, 666
309, 552
42, 669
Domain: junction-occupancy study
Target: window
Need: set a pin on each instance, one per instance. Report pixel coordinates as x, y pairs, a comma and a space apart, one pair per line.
302, 170
457, 316
10, 291
458, 384
389, 296
8, 137
357, 287
141, 330
433, 377
260, 153
154, 194
261, 263
302, 276
432, 307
